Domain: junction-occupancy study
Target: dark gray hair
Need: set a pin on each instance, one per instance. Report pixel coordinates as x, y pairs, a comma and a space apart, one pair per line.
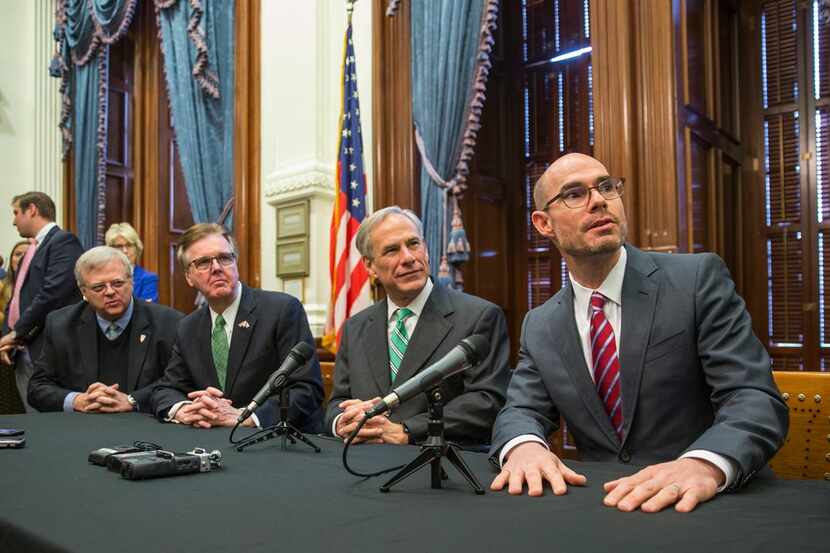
363, 239
98, 257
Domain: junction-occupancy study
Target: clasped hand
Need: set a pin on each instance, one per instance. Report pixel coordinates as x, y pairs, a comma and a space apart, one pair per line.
209, 408
100, 398
684, 483
377, 430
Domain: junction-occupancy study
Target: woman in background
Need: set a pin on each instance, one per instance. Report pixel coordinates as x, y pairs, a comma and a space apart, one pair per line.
122, 236
10, 403
7, 284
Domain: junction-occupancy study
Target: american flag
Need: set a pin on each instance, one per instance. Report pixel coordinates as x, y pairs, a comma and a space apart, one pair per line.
349, 279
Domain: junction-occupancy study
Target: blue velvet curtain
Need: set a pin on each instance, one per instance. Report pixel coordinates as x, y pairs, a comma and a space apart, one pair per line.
82, 65
85, 153
445, 42
199, 68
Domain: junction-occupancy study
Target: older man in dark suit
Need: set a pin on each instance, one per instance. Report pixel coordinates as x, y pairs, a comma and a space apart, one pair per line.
650, 358
226, 350
45, 282
417, 324
106, 354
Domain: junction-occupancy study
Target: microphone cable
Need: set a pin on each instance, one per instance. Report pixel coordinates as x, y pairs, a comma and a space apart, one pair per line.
346, 452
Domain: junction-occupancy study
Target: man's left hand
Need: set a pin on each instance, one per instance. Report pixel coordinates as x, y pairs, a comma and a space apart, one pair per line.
392, 432
7, 344
218, 409
683, 483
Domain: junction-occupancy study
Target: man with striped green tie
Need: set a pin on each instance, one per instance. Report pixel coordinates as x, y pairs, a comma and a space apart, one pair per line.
416, 325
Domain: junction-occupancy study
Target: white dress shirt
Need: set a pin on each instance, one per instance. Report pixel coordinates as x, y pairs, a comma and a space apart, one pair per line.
611, 288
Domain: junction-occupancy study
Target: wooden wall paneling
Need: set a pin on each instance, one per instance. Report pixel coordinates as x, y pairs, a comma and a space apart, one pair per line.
658, 122
150, 91
615, 108
246, 212
393, 143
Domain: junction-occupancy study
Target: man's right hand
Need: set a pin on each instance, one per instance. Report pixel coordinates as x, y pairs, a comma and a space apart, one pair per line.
353, 411
84, 402
531, 462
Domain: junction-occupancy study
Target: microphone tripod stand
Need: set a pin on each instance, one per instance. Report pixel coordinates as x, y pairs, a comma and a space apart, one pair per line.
283, 429
434, 449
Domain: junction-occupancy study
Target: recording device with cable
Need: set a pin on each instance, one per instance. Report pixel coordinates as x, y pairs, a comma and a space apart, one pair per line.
163, 463
102, 456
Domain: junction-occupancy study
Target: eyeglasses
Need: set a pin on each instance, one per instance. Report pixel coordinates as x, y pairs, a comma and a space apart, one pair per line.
101, 287
577, 195
204, 264
123, 247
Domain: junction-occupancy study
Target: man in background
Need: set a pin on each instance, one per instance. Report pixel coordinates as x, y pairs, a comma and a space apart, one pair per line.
45, 282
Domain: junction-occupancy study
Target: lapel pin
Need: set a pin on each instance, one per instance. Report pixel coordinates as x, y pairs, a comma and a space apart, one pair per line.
142, 338
244, 324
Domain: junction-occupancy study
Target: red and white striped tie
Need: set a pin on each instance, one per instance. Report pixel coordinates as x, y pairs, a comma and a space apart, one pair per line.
606, 362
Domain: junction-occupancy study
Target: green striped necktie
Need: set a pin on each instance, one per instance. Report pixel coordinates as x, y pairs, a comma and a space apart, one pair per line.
398, 341
219, 346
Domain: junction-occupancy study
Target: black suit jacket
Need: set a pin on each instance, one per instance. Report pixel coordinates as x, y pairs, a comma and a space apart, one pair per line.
68, 361
267, 326
472, 397
693, 374
49, 285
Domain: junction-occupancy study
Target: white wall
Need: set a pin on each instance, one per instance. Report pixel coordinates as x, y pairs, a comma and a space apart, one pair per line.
302, 49
29, 110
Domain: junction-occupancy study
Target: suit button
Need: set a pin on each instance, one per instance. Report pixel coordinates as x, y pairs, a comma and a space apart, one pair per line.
625, 456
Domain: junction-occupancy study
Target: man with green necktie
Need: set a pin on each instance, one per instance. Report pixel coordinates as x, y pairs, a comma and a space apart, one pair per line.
226, 350
416, 325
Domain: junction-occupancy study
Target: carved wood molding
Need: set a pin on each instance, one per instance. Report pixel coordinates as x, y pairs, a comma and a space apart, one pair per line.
393, 142
655, 76
246, 212
615, 107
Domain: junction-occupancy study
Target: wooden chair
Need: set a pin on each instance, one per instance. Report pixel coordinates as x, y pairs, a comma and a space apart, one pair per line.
806, 451
327, 370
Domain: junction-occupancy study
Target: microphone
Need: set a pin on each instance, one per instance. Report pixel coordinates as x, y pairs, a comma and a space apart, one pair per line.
296, 358
467, 353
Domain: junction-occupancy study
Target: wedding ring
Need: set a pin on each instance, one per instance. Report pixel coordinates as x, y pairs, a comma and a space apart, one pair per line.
675, 488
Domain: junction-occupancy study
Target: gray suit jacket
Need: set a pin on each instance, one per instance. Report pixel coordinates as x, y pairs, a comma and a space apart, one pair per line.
472, 397
693, 375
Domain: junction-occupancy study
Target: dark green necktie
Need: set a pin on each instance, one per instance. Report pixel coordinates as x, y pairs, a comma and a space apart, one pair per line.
219, 345
398, 342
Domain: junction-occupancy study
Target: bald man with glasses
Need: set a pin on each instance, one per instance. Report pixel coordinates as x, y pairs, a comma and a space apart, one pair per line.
650, 358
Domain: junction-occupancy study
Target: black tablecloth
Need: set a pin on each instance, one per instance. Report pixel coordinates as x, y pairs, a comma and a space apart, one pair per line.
267, 499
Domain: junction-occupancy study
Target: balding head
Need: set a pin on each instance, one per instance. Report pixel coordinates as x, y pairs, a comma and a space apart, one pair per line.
557, 174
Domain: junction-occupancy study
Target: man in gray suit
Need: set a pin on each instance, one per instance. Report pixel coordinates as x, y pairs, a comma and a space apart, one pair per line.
416, 325
689, 388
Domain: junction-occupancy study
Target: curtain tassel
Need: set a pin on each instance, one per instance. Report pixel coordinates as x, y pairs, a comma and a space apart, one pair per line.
444, 278
458, 248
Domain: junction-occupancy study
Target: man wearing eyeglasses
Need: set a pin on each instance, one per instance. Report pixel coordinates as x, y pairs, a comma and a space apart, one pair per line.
650, 359
227, 349
107, 353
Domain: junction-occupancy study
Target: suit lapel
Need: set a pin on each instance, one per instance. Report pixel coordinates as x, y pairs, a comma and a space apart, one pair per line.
639, 299
203, 329
377, 350
243, 329
139, 343
433, 326
88, 330
570, 349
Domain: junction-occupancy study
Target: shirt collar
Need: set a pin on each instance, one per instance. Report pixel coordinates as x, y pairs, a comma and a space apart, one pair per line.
121, 322
416, 305
611, 287
44, 231
230, 313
